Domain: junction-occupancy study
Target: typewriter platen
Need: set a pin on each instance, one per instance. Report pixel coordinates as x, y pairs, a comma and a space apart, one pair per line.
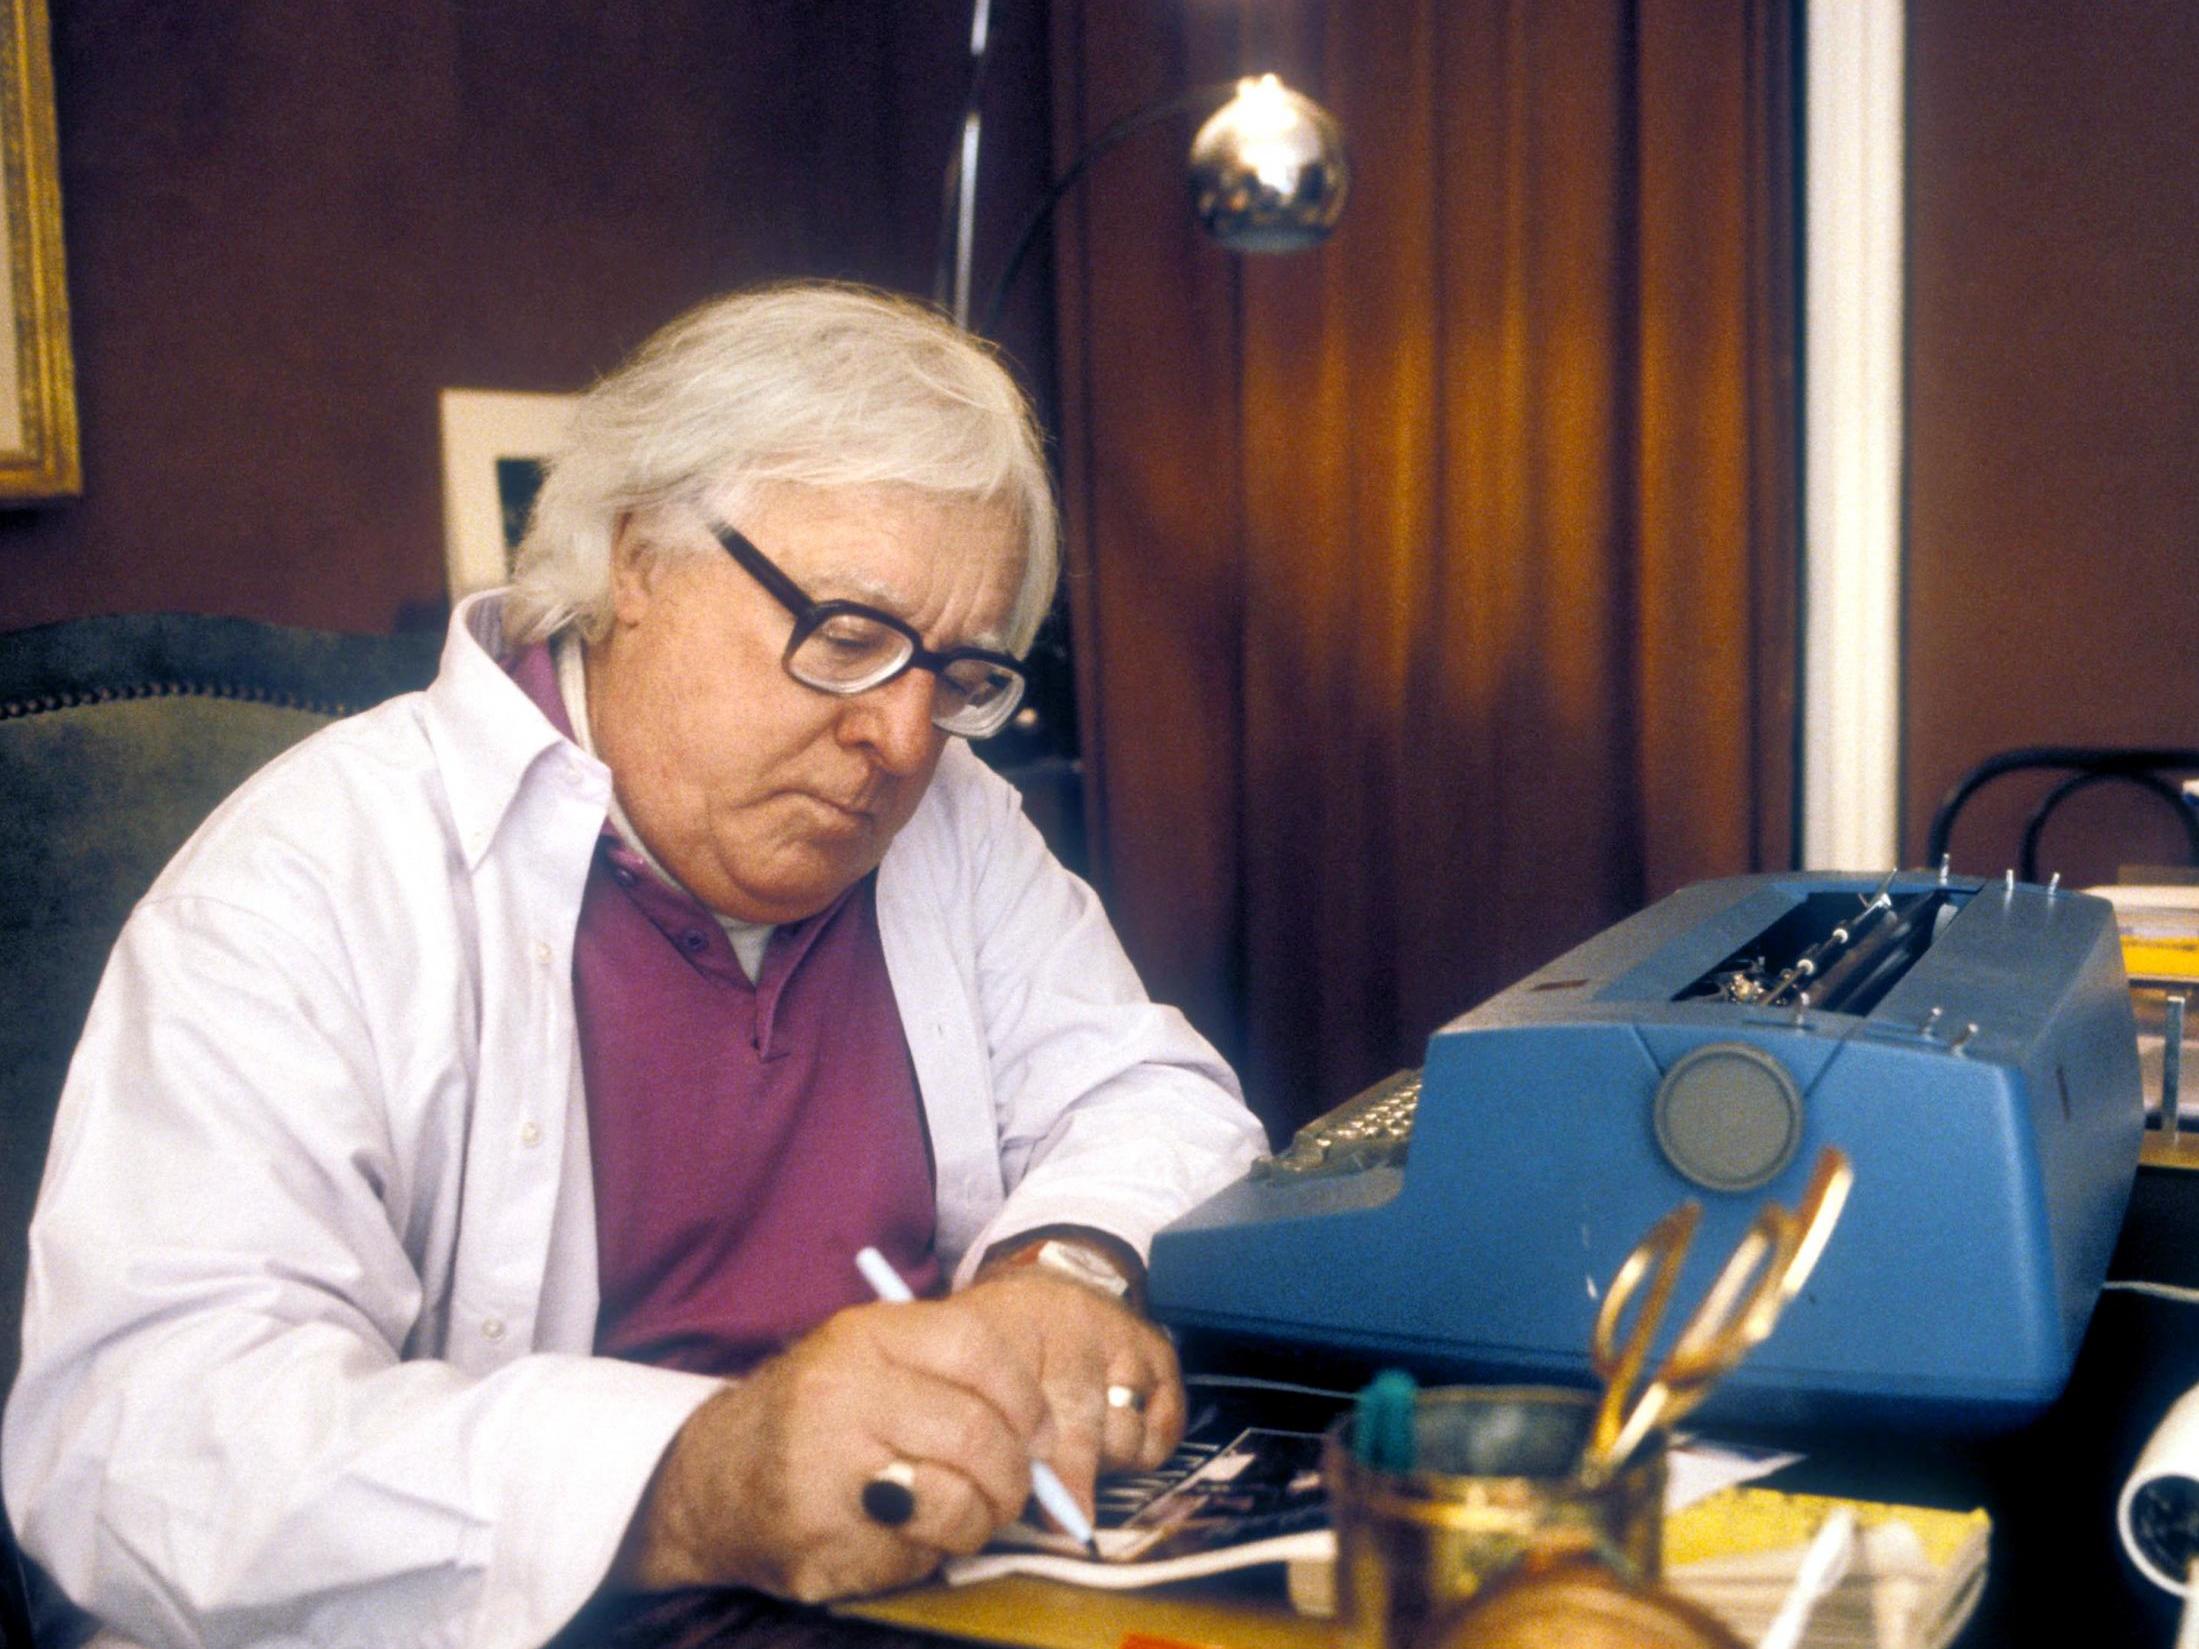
1969, 1044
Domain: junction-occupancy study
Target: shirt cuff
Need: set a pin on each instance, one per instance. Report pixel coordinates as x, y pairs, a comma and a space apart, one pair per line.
578, 1463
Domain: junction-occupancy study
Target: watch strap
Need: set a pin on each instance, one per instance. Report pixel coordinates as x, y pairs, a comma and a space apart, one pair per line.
1080, 1262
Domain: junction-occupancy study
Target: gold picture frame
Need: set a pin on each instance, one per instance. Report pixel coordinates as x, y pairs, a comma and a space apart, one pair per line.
38, 447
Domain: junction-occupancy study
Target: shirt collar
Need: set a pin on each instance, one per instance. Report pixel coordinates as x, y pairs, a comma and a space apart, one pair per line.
489, 739
568, 658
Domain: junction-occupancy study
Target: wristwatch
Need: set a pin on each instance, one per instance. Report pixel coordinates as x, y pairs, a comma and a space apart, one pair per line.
1077, 1262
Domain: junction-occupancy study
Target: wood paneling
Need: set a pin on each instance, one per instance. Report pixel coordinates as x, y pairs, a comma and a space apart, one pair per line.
2052, 582
1148, 357
289, 227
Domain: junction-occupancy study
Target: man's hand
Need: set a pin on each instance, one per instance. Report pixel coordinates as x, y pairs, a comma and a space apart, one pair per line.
1080, 1343
763, 1485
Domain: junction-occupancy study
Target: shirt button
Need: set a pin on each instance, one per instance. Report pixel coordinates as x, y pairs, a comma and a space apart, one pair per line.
542, 951
530, 1133
696, 941
621, 875
492, 1328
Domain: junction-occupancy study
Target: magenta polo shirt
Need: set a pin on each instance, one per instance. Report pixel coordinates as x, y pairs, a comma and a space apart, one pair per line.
746, 1138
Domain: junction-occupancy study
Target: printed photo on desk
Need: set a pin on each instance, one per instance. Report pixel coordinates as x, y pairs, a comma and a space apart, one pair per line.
1244, 1487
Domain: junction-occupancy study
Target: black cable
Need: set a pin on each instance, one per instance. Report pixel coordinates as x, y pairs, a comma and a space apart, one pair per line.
1129, 126
2105, 759
2027, 861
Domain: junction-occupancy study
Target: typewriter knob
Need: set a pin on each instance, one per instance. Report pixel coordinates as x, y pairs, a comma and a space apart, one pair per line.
1728, 1116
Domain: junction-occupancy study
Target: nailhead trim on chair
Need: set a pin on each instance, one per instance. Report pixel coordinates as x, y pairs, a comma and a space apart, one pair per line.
16, 709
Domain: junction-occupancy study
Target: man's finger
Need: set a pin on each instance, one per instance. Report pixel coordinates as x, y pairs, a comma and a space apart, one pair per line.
1077, 1447
1163, 1422
947, 1343
1123, 1437
869, 1559
933, 1421
1145, 1396
947, 1512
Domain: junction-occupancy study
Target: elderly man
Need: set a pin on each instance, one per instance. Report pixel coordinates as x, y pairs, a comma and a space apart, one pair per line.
453, 1203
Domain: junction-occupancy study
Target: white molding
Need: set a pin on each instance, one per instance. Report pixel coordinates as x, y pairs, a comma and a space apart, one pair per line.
1852, 442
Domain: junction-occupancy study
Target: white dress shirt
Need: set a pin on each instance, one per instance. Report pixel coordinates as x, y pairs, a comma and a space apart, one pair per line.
313, 1273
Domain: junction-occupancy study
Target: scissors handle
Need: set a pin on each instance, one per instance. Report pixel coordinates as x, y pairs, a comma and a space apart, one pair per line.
1619, 1359
1742, 1307
1823, 1198
1765, 1271
1735, 1317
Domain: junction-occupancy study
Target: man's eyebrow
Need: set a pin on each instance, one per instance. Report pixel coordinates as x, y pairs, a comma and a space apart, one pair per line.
846, 586
836, 585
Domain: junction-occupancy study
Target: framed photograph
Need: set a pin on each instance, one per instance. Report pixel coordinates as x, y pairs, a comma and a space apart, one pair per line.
38, 451
494, 442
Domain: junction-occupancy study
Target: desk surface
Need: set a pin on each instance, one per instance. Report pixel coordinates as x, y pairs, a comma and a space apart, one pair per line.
1015, 1609
1223, 1611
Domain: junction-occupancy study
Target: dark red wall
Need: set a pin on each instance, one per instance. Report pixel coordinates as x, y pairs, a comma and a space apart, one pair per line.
289, 226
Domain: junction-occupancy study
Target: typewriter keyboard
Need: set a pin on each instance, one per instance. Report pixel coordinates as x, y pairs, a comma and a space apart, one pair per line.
1369, 1130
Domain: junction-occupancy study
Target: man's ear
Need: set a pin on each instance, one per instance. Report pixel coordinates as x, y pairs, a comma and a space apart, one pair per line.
635, 563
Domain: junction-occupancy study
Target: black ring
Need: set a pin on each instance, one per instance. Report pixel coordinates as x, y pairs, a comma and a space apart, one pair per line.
888, 1497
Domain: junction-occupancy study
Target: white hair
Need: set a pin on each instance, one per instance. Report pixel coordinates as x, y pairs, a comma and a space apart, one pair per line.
805, 384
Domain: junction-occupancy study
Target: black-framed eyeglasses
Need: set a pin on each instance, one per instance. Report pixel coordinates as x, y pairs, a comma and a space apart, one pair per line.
845, 648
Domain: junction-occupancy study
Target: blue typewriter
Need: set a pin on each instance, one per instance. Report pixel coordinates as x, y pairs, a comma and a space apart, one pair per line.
1969, 1044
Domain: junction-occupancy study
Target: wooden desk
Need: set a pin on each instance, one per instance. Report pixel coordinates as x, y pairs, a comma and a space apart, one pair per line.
1226, 1612
1223, 1613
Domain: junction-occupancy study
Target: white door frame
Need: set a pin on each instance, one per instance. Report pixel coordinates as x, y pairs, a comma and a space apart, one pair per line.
1852, 434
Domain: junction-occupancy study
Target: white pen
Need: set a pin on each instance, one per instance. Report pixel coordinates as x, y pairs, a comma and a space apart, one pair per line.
1823, 1563
887, 1284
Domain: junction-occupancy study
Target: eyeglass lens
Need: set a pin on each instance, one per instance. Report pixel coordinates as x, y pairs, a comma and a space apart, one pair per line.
851, 653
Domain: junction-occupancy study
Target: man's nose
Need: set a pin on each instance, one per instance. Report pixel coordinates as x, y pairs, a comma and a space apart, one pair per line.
895, 722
